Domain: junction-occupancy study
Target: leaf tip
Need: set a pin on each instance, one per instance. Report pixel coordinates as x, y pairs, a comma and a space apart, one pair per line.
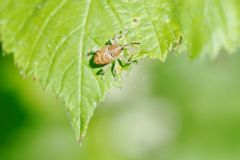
80, 139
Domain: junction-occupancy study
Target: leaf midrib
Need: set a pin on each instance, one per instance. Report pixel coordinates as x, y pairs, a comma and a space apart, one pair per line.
81, 47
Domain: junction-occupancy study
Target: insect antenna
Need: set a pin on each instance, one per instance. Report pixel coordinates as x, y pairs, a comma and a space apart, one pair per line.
126, 45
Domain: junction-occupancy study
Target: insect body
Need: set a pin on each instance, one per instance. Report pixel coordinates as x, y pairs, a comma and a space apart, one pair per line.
111, 53
107, 54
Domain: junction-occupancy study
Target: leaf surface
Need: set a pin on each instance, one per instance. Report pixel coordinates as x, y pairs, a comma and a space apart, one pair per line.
50, 40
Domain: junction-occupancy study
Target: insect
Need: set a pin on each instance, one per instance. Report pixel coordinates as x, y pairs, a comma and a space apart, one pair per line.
111, 53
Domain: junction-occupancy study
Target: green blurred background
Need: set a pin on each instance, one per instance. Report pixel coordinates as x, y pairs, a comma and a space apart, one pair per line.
178, 110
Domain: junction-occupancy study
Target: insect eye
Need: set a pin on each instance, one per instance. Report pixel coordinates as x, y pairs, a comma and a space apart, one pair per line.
108, 42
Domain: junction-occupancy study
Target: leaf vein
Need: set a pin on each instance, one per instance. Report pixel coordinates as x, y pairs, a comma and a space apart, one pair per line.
154, 28
85, 21
44, 26
56, 51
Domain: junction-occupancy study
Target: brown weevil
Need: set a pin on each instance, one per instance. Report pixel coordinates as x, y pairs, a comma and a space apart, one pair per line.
110, 53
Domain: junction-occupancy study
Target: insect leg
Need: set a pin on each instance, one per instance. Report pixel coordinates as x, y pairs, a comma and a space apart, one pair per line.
109, 42
113, 69
116, 69
92, 52
126, 63
100, 72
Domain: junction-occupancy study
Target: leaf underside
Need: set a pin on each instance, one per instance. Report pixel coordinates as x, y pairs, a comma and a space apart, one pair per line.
50, 39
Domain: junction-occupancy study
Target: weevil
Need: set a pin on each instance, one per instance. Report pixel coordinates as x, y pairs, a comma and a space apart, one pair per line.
110, 54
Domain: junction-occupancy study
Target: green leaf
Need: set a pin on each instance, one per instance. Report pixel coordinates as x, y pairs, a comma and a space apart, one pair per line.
50, 40
209, 25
